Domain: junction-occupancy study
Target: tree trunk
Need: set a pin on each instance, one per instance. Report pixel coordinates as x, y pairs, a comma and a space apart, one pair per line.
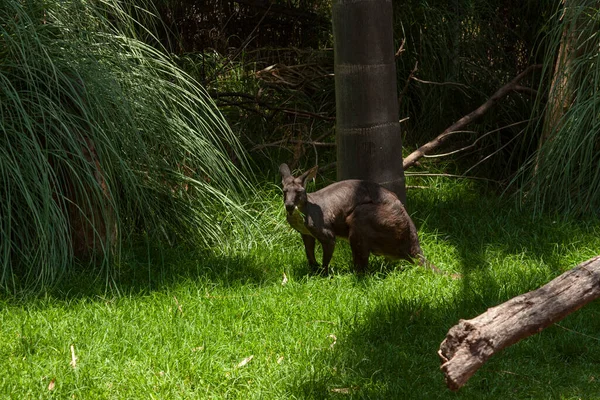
92, 221
562, 87
471, 343
369, 144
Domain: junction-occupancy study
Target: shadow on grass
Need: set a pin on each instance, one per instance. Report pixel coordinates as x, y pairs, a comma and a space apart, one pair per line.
393, 353
474, 223
145, 270
389, 352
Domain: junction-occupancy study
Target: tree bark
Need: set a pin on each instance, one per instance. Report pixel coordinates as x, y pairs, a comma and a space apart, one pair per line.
566, 76
369, 144
562, 86
93, 223
471, 343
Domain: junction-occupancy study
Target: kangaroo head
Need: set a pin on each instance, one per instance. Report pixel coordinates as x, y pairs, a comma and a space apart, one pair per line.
294, 189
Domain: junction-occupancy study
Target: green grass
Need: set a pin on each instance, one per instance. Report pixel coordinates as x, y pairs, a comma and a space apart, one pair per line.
182, 321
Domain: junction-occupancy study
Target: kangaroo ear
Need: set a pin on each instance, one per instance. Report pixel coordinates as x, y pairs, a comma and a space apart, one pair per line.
284, 170
308, 175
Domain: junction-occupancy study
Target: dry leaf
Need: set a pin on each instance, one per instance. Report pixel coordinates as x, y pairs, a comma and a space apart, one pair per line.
280, 360
347, 390
285, 280
178, 305
334, 340
200, 348
51, 385
341, 390
245, 361
73, 358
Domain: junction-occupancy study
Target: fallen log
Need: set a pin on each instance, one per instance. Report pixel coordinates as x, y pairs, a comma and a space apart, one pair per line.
470, 343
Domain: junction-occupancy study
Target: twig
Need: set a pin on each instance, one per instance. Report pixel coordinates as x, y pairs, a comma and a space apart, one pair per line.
476, 140
526, 90
453, 176
407, 83
495, 152
401, 49
439, 83
327, 167
178, 305
577, 333
73, 362
306, 114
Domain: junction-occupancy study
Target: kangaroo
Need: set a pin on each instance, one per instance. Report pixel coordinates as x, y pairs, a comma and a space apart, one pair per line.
369, 216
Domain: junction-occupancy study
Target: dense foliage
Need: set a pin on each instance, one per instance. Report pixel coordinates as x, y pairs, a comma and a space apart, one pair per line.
102, 138
451, 57
564, 173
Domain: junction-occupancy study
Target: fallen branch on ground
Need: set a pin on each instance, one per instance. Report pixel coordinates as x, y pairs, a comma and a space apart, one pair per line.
471, 343
427, 148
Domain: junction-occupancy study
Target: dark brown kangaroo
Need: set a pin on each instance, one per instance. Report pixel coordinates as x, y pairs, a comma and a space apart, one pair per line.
368, 215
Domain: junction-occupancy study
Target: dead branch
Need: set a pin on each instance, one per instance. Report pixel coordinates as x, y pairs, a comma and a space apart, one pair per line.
414, 78
401, 49
526, 90
472, 145
443, 175
471, 343
407, 83
427, 148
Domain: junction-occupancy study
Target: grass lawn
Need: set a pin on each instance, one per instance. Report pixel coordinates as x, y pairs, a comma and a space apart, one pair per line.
222, 324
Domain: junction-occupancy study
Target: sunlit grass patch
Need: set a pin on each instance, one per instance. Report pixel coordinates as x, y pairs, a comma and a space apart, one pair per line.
248, 321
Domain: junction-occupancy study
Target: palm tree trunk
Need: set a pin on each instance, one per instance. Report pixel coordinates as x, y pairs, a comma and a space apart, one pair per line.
369, 144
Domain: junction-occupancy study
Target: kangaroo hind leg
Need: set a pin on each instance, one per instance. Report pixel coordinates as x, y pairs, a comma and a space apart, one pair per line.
360, 252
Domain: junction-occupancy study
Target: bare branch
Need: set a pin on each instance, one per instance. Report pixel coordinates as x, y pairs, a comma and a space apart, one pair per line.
407, 83
414, 78
476, 140
401, 49
427, 148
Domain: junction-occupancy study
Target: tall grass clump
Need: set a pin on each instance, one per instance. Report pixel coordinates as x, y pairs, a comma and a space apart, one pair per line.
564, 175
102, 141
